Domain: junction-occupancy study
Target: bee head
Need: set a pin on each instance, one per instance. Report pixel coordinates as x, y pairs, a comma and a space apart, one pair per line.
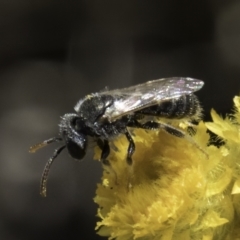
72, 129
73, 132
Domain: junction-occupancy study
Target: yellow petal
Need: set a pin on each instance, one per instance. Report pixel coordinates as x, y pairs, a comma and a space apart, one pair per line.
236, 187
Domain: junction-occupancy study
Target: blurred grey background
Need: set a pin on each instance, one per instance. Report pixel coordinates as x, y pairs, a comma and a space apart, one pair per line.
52, 53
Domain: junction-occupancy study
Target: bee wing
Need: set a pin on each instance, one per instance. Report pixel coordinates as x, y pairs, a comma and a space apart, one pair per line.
138, 97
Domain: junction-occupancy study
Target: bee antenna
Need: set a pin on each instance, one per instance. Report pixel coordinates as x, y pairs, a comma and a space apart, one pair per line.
36, 147
43, 183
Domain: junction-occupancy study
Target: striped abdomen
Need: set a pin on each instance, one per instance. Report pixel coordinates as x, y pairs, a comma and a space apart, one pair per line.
186, 106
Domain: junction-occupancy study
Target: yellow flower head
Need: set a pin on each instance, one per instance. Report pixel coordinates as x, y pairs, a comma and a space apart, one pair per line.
175, 189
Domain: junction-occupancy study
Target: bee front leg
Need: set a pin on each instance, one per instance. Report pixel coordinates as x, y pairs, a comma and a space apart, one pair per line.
104, 146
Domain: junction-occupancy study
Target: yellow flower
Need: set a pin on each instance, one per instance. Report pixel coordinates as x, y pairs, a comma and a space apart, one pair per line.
176, 188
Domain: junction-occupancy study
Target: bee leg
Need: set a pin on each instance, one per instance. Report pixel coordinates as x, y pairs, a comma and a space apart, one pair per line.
168, 128
172, 130
151, 125
131, 148
104, 146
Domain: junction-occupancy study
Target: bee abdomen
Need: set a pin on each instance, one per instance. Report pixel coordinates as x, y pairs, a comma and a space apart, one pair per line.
184, 106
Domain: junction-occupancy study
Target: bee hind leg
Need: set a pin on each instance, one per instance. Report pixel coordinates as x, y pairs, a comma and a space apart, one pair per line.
151, 125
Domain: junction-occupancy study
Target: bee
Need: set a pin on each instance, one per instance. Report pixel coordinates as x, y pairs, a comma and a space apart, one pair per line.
105, 115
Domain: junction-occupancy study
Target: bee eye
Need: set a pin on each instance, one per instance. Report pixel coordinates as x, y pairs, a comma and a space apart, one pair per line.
77, 124
75, 150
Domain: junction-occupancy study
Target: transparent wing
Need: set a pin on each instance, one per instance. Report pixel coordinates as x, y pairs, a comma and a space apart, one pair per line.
144, 95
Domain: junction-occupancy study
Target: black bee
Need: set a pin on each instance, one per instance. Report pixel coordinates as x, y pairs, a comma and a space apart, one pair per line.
103, 116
